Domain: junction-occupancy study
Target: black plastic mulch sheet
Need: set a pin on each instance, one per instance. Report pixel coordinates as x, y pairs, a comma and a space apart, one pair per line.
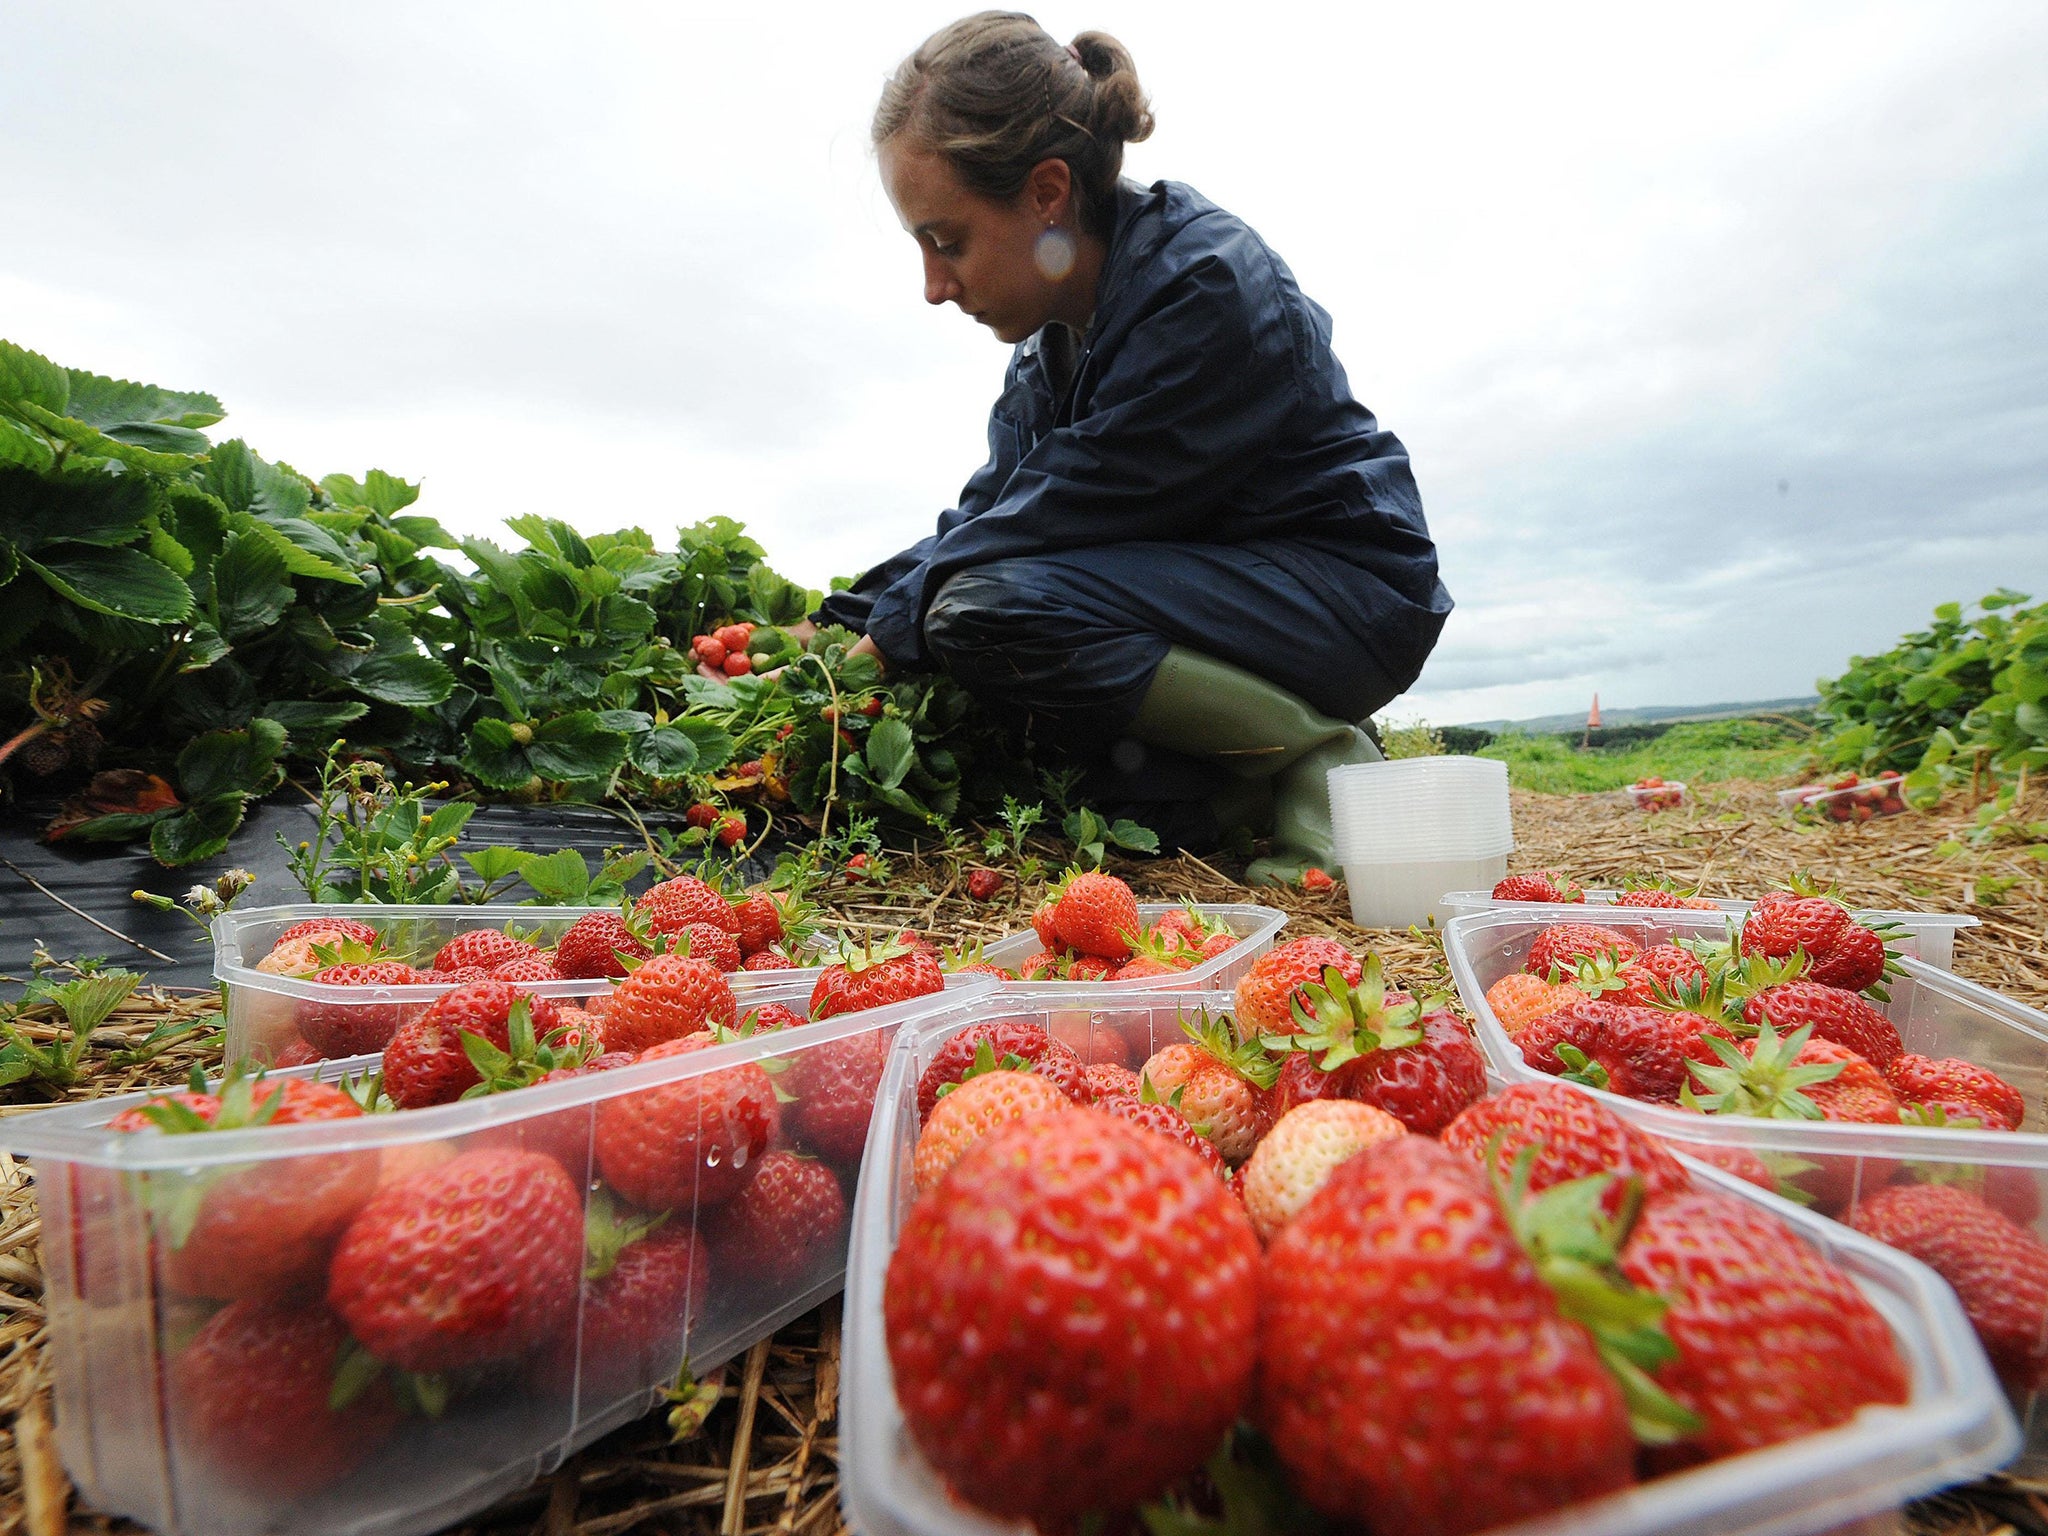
169, 948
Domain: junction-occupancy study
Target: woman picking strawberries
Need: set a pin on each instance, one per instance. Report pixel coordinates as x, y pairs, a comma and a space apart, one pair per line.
1191, 552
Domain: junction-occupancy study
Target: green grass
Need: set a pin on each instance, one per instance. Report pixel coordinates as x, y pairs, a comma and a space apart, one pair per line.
1703, 752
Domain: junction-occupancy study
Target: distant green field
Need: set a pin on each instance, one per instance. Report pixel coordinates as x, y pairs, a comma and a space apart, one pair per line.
1702, 752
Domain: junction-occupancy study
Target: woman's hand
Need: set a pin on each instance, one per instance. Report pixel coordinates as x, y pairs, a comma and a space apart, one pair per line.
864, 646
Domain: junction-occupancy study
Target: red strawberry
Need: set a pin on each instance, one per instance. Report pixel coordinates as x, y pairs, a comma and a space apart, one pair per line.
1098, 915
982, 884
1843, 952
565, 1134
666, 998
1961, 1088
345, 929
1042, 923
1745, 1164
1267, 992
1564, 945
1028, 1042
1773, 1341
428, 1061
646, 1284
461, 976
534, 967
708, 651
1142, 1269
1658, 973
1163, 1119
1217, 943
1856, 961
344, 1027
1315, 880
593, 944
476, 1260
1043, 966
1483, 1404
1836, 1015
832, 1094
673, 904
760, 922
1106, 1079
1573, 1134
486, 947
1639, 1053
699, 1138
1539, 885
700, 814
732, 826
771, 1016
1378, 1047
1652, 896
235, 1231
784, 1228
711, 944
260, 1398
768, 960
1998, 1268
874, 978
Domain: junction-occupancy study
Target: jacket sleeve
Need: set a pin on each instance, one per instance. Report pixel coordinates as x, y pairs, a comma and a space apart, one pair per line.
1190, 398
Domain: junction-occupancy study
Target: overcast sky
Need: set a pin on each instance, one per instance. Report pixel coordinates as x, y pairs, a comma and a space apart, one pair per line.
1719, 337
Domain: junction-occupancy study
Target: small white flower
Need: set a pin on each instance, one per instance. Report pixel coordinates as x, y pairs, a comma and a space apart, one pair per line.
198, 896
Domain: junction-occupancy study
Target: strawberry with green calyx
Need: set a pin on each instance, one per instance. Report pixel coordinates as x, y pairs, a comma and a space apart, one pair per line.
344, 1026
602, 944
673, 904
525, 1058
487, 947
969, 960
1219, 1081
1666, 895
1573, 1233
261, 1229
666, 997
429, 1060
1519, 999
874, 976
274, 1398
339, 929
1768, 1078
1705, 998
1029, 1043
1562, 945
1154, 953
1407, 1244
1960, 1089
1415, 1060
1270, 987
1041, 916
990, 1095
1658, 970
1573, 1136
1640, 1053
1096, 914
1142, 1106
1343, 1021
1843, 952
1539, 885
1834, 1014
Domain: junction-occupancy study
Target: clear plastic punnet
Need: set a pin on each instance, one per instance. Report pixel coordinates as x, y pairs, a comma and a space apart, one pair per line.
1929, 937
1833, 1163
403, 1369
263, 1010
1254, 926
1955, 1426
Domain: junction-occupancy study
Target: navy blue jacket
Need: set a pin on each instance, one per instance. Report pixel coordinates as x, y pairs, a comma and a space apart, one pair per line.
1206, 408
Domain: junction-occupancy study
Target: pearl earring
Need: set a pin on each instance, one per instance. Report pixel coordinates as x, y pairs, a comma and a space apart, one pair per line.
1054, 252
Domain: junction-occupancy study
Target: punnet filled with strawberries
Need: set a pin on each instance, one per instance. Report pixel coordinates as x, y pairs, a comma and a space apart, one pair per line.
1791, 1047
1281, 1259
383, 1298
1926, 936
308, 983
1091, 928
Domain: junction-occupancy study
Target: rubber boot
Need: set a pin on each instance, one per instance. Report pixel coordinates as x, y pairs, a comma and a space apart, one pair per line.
1203, 707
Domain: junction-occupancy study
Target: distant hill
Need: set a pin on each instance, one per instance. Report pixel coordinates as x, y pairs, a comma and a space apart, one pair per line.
1650, 714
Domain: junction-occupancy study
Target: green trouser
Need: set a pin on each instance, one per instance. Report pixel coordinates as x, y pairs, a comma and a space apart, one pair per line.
1205, 708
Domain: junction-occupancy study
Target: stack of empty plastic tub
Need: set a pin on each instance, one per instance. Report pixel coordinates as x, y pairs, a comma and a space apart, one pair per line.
1411, 830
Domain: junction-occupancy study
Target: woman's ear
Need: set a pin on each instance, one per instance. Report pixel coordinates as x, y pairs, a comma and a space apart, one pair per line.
1049, 191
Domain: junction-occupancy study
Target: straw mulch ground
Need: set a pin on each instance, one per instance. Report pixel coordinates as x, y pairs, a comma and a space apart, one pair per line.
763, 1460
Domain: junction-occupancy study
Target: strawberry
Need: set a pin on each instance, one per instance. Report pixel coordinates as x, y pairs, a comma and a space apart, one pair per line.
771, 1016
1220, 1081
875, 977
1998, 1268
673, 904
1652, 896
473, 1261
1042, 966
1639, 1053
708, 651
461, 976
250, 1230
298, 957
1562, 945
487, 947
1379, 1047
271, 1398
430, 1061
1961, 1088
1745, 1164
595, 943
1843, 952
982, 884
1042, 923
1217, 943
1267, 992
707, 942
666, 997
787, 1225
565, 1134
1518, 999
1297, 1156
1573, 1135
1833, 1014
647, 1281
1091, 968
738, 664
1772, 1341
1658, 973
1106, 1079
1154, 1114
1539, 885
1141, 1274
1316, 881
537, 966
1184, 925
343, 1027
1028, 1042
1480, 1405
1798, 1076
760, 922
702, 815
768, 960
733, 637
831, 1088
698, 1138
1856, 962
975, 1106
732, 826
1098, 915
330, 931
